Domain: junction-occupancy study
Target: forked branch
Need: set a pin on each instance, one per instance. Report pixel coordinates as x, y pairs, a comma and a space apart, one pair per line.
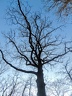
11, 65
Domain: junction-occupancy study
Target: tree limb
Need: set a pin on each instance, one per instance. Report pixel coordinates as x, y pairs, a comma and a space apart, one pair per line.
18, 69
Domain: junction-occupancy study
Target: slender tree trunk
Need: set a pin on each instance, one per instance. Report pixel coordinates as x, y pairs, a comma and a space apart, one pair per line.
40, 83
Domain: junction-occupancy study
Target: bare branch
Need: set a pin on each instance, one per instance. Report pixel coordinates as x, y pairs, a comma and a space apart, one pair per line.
68, 71
56, 57
21, 70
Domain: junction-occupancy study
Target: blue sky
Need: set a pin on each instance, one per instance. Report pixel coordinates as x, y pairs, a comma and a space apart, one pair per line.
36, 5
4, 4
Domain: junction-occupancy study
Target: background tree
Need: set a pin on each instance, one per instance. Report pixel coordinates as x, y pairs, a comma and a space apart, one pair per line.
16, 86
67, 71
62, 7
32, 45
58, 88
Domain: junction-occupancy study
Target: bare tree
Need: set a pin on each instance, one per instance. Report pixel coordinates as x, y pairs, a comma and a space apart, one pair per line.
8, 88
58, 88
32, 45
3, 68
16, 86
68, 67
67, 71
62, 7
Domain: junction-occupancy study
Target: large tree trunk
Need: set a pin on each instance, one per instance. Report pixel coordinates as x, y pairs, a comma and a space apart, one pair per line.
40, 83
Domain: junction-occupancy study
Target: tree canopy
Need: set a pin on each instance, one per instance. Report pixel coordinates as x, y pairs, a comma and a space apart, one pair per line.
62, 7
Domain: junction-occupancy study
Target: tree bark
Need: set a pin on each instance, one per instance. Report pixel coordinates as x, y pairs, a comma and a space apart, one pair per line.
40, 83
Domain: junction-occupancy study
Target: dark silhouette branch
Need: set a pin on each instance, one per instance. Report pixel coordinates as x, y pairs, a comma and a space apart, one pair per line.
62, 7
18, 69
68, 71
28, 62
35, 46
54, 58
